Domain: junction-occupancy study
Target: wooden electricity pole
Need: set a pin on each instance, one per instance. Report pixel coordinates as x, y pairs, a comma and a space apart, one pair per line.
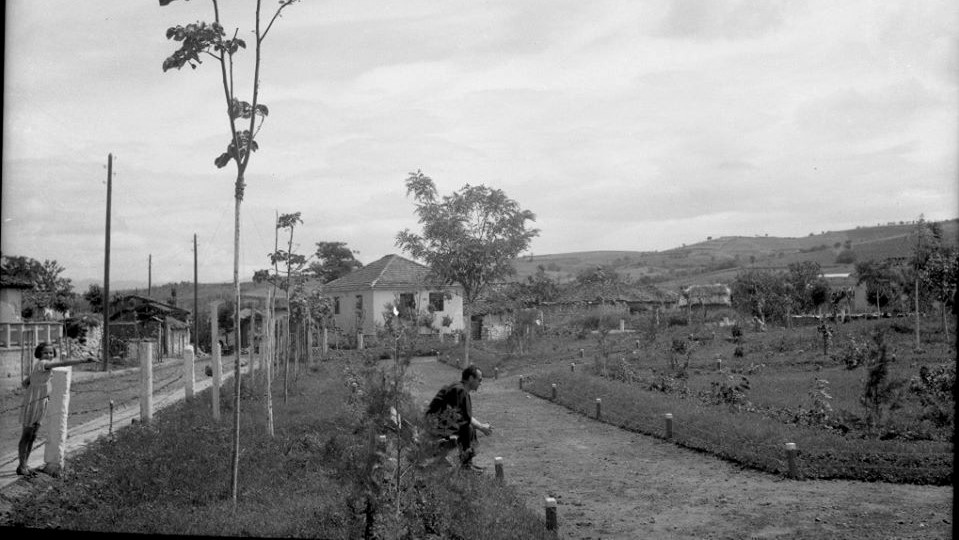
196, 312
106, 270
150, 276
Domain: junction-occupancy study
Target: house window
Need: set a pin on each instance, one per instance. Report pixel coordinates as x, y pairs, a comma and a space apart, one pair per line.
436, 301
407, 304
336, 305
359, 302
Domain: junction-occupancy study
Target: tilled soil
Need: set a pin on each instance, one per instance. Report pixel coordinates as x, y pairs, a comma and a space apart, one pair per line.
611, 483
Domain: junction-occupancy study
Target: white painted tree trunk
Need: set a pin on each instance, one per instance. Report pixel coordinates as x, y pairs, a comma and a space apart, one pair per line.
55, 452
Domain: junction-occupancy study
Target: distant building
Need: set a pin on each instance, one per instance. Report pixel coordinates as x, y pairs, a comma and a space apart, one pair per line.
135, 317
360, 297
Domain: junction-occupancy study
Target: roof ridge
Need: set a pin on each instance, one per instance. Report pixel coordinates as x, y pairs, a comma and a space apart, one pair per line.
391, 257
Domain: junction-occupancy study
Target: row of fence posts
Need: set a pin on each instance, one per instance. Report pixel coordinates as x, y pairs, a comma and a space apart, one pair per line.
790, 448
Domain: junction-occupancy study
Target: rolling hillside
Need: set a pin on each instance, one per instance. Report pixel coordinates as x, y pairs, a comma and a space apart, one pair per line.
719, 259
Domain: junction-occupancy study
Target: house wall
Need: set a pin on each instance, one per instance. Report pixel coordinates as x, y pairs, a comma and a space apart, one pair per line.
11, 302
374, 302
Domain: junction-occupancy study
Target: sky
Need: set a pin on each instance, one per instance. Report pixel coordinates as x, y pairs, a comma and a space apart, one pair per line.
633, 125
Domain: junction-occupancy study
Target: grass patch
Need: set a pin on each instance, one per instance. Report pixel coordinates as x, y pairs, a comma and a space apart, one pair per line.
749, 438
173, 477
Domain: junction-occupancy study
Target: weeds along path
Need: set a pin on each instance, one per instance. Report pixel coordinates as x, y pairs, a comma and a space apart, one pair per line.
611, 483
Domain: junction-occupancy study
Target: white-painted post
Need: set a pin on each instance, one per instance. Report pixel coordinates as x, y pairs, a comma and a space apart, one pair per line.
599, 408
520, 382
495, 372
719, 364
572, 367
326, 341
553, 390
582, 353
669, 425
550, 514
55, 452
146, 381
215, 358
498, 467
622, 325
359, 341
189, 381
791, 459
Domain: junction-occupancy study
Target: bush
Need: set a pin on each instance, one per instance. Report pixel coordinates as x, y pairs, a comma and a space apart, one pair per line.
846, 256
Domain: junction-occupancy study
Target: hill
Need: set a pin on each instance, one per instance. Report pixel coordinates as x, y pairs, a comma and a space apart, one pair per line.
719, 259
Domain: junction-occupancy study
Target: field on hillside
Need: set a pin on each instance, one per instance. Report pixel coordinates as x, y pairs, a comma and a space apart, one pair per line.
718, 259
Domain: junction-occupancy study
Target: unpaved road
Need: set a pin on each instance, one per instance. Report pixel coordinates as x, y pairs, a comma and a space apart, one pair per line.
610, 483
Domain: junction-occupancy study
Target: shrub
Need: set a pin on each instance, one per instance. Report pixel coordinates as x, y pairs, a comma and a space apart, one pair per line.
675, 320
846, 256
728, 391
934, 389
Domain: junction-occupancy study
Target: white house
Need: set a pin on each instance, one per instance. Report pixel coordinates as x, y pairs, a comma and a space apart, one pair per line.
360, 297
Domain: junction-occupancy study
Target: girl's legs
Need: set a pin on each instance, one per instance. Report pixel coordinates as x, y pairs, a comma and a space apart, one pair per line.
27, 438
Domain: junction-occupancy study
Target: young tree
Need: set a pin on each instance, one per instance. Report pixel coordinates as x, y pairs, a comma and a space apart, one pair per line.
469, 237
333, 260
881, 282
295, 263
210, 40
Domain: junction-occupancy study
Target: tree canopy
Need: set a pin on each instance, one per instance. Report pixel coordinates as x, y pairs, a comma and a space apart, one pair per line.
49, 289
469, 237
333, 260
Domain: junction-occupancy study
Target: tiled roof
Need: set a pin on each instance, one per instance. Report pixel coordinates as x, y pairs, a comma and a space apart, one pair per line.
390, 272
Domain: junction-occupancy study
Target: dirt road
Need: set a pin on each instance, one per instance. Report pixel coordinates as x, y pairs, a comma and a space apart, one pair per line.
610, 483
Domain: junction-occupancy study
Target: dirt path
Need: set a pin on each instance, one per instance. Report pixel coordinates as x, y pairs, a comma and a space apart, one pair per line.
610, 483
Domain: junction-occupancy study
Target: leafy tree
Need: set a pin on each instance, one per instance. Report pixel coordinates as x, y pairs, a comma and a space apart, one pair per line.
49, 290
881, 282
94, 296
808, 289
333, 260
210, 40
761, 294
469, 238
940, 276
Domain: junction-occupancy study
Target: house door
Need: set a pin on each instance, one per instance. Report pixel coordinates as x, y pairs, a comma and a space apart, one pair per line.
476, 327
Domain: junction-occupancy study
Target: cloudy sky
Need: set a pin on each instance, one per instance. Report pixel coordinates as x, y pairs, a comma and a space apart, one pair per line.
623, 125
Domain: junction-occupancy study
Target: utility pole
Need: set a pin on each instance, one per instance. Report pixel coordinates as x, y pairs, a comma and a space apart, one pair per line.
150, 276
196, 312
106, 270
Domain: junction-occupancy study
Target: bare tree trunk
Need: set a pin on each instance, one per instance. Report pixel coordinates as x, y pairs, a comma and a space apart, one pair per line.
235, 469
468, 316
268, 364
918, 345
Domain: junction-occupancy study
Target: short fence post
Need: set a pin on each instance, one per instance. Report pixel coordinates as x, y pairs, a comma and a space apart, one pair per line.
599, 408
582, 353
498, 467
669, 425
146, 381
572, 367
217, 377
791, 459
622, 325
188, 372
496, 373
111, 417
359, 341
553, 390
520, 382
550, 514
55, 452
637, 344
719, 364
